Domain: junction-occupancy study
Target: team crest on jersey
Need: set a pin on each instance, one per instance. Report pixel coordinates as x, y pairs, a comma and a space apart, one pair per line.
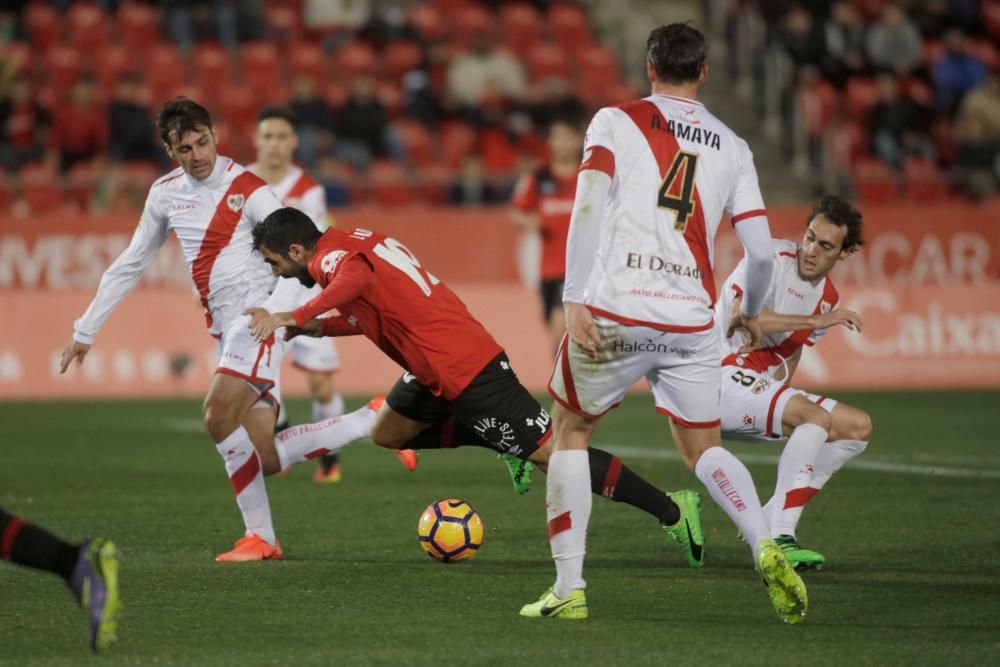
825, 307
331, 261
235, 202
760, 386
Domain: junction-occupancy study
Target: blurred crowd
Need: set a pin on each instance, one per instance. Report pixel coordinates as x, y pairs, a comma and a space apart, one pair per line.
883, 98
398, 102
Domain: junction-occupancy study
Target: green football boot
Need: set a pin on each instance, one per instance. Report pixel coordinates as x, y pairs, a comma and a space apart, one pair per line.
785, 588
687, 531
520, 472
573, 607
800, 558
95, 584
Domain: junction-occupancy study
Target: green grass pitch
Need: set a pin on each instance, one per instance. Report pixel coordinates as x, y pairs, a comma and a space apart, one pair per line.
912, 540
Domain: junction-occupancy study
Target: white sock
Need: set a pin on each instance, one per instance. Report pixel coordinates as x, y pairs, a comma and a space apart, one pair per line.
243, 468
568, 502
729, 483
795, 470
332, 408
310, 441
832, 457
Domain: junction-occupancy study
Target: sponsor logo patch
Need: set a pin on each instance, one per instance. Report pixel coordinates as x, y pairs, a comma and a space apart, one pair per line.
330, 262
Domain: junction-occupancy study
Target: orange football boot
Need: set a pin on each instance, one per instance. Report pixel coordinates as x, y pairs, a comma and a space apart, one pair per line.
249, 548
376, 402
329, 475
408, 457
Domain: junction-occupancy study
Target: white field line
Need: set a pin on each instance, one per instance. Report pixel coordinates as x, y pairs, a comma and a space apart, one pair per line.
665, 454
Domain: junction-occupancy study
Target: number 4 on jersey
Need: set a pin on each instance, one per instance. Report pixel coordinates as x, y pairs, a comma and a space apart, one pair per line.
682, 204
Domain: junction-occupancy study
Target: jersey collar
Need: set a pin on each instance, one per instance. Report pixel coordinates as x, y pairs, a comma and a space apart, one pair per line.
222, 164
686, 100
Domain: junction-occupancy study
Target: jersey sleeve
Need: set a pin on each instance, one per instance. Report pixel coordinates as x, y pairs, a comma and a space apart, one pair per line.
830, 301
599, 143
124, 273
745, 201
260, 204
348, 275
313, 204
526, 194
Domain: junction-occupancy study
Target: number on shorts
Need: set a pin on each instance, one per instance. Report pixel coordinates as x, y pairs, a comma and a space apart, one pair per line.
683, 204
745, 379
397, 254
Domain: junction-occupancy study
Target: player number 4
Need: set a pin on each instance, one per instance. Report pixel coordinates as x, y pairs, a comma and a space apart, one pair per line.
682, 204
397, 254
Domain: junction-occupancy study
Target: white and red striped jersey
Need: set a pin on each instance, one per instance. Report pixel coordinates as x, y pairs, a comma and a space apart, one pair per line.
675, 168
788, 294
300, 190
212, 219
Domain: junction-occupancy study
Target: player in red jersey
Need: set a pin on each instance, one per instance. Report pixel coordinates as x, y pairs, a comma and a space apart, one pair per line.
459, 387
543, 203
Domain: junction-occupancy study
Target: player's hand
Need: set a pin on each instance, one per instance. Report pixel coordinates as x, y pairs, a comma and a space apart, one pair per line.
735, 317
842, 316
74, 350
263, 324
581, 328
752, 326
311, 328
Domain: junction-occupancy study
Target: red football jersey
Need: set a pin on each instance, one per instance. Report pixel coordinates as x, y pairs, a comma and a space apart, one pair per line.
407, 312
551, 197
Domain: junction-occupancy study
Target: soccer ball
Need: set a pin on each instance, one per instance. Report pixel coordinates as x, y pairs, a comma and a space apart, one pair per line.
450, 530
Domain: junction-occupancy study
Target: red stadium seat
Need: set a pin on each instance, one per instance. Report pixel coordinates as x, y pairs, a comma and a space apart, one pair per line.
467, 23
545, 60
80, 183
434, 183
307, 59
260, 67
42, 24
457, 139
985, 51
498, 153
238, 105
390, 96
400, 57
427, 21
991, 18
521, 25
390, 184
5, 198
211, 66
420, 148
87, 25
597, 65
40, 187
335, 94
873, 181
18, 55
931, 51
352, 59
943, 135
568, 25
138, 25
139, 175
164, 71
919, 91
923, 181
862, 94
111, 61
284, 24
63, 65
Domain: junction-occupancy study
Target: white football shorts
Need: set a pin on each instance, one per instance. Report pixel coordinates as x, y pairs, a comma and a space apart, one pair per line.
682, 370
258, 363
753, 403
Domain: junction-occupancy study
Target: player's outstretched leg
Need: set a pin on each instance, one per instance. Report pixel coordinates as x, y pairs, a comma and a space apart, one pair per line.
328, 469
572, 608
90, 569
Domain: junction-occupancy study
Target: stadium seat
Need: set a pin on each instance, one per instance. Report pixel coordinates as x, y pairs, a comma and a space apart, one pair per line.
861, 95
931, 51
80, 183
164, 70
420, 148
111, 61
942, 133
390, 184
138, 25
596, 65
62, 63
568, 25
284, 24
41, 24
87, 25
260, 67
18, 55
335, 94
456, 140
985, 51
307, 59
544, 60
498, 152
919, 91
210, 63
520, 23
467, 23
923, 181
400, 57
40, 188
991, 18
5, 198
352, 59
434, 183
238, 105
427, 21
873, 181
390, 96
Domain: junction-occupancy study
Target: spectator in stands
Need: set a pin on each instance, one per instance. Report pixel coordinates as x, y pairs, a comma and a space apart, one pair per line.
555, 100
315, 119
977, 134
897, 126
24, 125
845, 42
956, 72
226, 21
336, 20
481, 70
471, 185
360, 125
894, 42
134, 136
80, 127
803, 37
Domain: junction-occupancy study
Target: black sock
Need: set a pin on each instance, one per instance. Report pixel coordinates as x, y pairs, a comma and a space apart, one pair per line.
447, 434
27, 544
329, 460
610, 478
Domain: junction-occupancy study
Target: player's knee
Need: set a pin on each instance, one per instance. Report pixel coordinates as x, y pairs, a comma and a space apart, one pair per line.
860, 427
820, 417
383, 436
219, 420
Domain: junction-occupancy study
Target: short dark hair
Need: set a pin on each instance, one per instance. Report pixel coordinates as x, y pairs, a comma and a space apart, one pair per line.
677, 53
181, 115
279, 230
284, 113
841, 213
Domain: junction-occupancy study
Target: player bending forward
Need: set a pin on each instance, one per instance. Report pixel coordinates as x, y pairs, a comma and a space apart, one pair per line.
459, 388
211, 204
757, 401
657, 175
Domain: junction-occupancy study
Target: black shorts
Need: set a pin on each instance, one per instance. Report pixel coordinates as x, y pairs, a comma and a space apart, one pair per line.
551, 291
495, 405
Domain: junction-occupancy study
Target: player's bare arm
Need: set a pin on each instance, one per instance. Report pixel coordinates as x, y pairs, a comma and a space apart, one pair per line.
263, 324
772, 322
581, 328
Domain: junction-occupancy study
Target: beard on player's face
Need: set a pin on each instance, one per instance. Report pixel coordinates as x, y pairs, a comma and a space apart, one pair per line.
304, 277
